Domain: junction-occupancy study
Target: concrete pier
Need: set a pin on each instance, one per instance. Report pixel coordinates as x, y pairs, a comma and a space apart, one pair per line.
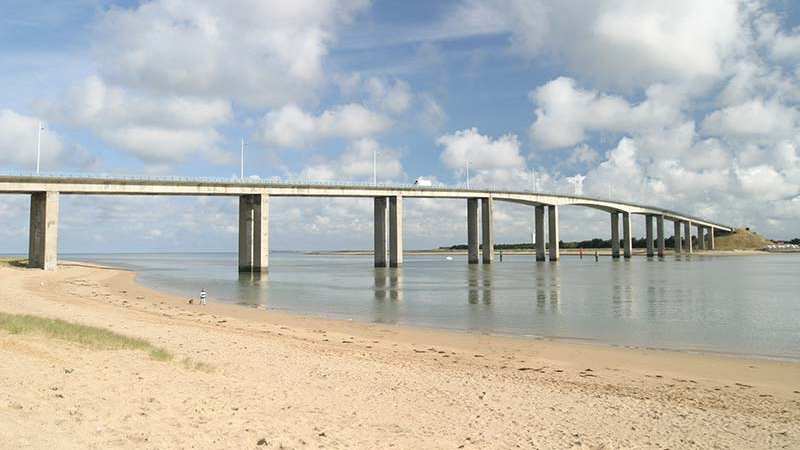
396, 231
677, 236
487, 230
472, 230
43, 233
711, 238
660, 235
552, 218
615, 235
687, 231
253, 233
648, 225
539, 226
379, 231
627, 239
701, 240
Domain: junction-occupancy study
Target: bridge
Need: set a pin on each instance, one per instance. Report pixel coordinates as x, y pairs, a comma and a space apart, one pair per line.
388, 200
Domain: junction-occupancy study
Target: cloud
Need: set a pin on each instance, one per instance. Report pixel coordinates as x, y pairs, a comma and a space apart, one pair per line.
565, 112
259, 52
290, 126
18, 140
754, 118
155, 129
482, 151
356, 163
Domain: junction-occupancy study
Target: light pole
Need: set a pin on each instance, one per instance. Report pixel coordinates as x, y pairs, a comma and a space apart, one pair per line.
241, 176
39, 147
467, 173
533, 180
375, 167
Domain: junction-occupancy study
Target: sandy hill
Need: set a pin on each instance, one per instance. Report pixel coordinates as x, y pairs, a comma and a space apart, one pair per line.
741, 239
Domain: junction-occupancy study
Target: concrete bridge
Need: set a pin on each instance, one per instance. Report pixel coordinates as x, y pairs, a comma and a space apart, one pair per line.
254, 214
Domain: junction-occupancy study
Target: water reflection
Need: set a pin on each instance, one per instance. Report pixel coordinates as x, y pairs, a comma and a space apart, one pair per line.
387, 300
480, 315
548, 287
252, 289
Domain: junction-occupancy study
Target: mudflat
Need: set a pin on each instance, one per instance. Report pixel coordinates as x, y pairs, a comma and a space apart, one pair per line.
266, 379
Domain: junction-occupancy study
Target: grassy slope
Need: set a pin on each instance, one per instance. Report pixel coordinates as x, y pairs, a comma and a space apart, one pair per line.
741, 239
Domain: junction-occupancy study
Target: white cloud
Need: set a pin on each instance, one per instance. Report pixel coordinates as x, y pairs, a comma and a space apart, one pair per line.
754, 118
482, 151
356, 163
290, 126
259, 52
18, 141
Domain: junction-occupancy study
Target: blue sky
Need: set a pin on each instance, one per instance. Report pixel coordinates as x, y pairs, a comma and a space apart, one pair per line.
688, 105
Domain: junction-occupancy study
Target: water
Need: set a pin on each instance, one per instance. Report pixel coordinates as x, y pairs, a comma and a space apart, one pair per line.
745, 305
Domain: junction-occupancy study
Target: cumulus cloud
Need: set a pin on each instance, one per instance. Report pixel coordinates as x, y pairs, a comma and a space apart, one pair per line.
483, 152
290, 126
356, 163
261, 53
156, 129
754, 118
18, 140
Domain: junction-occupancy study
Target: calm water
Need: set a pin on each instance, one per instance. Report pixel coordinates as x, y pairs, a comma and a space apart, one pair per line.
734, 304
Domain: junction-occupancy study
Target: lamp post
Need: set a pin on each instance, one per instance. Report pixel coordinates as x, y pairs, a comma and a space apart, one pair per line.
467, 173
375, 167
241, 175
39, 147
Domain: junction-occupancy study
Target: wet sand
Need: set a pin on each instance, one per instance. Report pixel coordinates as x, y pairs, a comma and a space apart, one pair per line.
286, 381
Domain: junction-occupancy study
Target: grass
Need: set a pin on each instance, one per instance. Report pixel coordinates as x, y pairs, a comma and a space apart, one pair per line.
94, 337
13, 262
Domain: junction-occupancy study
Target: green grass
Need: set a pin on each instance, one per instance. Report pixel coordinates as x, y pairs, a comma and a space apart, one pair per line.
93, 337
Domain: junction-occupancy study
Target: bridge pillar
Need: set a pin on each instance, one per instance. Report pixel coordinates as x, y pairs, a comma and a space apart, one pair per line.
648, 222
43, 232
539, 226
487, 230
472, 230
254, 233
627, 239
396, 231
701, 241
552, 218
379, 228
615, 235
676, 234
687, 231
711, 238
660, 235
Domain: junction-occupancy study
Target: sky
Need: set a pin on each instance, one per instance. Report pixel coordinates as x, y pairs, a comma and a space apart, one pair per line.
687, 105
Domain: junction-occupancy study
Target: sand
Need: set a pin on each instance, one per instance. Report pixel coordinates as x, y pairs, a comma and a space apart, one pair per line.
284, 381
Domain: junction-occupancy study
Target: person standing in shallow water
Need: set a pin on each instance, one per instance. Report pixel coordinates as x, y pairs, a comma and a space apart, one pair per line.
202, 296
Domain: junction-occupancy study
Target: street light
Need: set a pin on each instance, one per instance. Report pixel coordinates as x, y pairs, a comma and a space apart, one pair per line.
375, 167
39, 147
467, 173
241, 176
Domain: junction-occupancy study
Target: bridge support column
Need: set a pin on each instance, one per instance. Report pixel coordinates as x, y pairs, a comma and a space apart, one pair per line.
660, 235
254, 233
648, 225
627, 239
539, 225
676, 235
379, 228
43, 233
396, 231
711, 238
615, 235
472, 230
687, 231
701, 240
487, 230
552, 218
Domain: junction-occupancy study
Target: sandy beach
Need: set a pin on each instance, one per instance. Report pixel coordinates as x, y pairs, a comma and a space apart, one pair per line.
274, 380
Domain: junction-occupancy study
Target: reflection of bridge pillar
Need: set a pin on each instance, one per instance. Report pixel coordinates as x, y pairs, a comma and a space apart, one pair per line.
539, 226
676, 234
379, 229
626, 235
487, 230
711, 238
254, 233
552, 218
660, 235
701, 241
687, 231
43, 232
472, 230
648, 226
396, 231
615, 235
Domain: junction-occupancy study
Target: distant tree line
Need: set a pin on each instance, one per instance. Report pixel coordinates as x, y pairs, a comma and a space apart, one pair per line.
592, 243
795, 241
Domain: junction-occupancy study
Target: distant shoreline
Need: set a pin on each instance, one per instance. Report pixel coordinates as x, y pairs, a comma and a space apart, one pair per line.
563, 251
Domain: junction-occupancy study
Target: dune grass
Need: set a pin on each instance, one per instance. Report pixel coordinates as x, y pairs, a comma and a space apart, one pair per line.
94, 337
13, 262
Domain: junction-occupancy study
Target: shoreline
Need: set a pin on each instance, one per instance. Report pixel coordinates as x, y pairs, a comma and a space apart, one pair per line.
588, 252
303, 381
